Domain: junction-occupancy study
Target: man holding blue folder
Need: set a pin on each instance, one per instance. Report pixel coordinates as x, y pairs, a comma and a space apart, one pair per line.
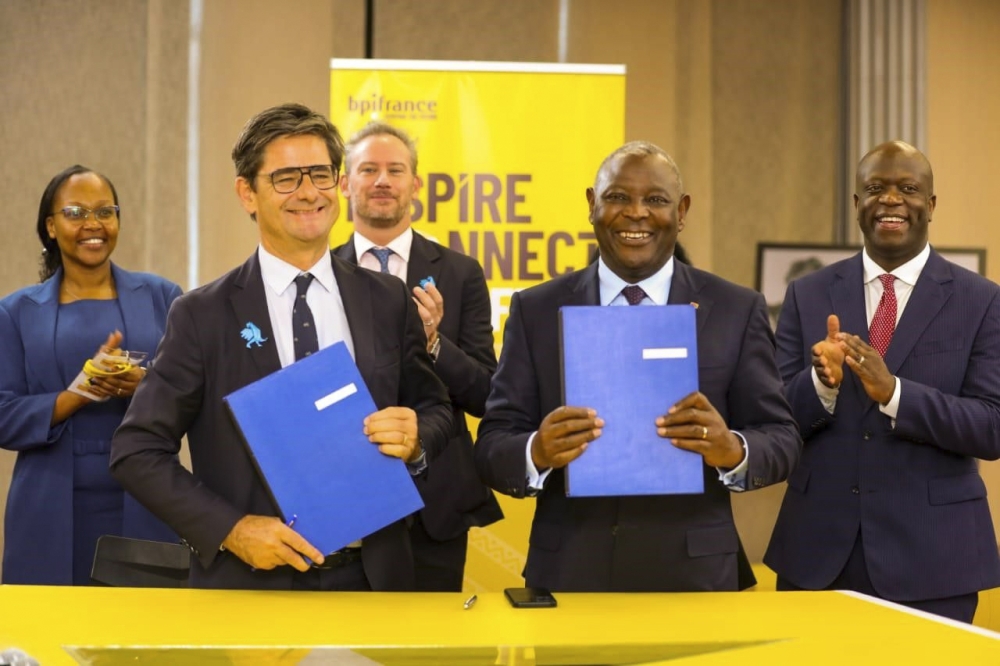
290, 299
739, 421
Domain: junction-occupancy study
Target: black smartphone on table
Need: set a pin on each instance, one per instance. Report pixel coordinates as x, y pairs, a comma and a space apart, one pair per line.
529, 597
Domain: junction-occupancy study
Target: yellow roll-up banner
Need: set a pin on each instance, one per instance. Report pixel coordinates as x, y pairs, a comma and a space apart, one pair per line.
506, 152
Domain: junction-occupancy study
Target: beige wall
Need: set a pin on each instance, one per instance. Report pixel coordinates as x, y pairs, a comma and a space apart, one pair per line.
744, 93
963, 134
103, 84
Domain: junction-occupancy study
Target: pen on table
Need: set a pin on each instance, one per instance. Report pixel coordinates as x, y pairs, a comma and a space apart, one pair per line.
470, 602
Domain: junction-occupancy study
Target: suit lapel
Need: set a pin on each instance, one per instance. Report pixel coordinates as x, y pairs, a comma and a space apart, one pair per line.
356, 296
347, 251
686, 289
136, 302
38, 332
932, 291
586, 290
847, 294
425, 261
249, 305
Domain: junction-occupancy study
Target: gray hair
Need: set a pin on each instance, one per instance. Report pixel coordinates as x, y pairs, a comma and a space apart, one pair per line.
637, 149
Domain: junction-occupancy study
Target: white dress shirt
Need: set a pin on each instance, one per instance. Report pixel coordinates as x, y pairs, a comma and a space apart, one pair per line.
399, 260
323, 297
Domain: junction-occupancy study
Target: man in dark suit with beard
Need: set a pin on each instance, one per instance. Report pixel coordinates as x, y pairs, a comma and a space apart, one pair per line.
380, 180
738, 421
287, 161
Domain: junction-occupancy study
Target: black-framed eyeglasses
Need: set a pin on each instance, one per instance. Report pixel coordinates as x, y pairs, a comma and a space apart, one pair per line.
80, 214
286, 181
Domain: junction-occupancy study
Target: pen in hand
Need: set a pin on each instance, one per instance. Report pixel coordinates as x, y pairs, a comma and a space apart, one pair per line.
290, 523
470, 602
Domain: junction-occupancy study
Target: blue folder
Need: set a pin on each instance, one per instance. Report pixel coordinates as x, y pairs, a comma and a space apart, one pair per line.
630, 364
303, 426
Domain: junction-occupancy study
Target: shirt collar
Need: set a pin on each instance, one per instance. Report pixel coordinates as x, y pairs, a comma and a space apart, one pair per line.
656, 286
908, 272
278, 274
400, 244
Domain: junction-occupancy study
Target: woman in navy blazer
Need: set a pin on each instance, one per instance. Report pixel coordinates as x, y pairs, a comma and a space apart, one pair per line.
62, 496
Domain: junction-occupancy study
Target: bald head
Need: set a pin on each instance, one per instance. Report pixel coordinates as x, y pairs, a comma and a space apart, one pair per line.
889, 151
894, 199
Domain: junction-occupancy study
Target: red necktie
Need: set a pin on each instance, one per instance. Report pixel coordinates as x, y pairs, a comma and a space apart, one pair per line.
884, 322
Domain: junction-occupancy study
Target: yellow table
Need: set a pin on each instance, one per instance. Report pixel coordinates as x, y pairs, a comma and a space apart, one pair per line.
216, 627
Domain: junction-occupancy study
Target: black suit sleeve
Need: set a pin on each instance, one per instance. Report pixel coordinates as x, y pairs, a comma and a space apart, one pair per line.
512, 412
467, 363
757, 407
145, 446
419, 387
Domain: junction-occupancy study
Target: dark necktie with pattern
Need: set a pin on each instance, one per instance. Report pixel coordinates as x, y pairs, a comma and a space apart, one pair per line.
303, 324
633, 294
382, 254
884, 322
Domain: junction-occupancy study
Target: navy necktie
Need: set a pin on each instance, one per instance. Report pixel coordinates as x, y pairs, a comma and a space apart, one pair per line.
633, 294
382, 254
303, 324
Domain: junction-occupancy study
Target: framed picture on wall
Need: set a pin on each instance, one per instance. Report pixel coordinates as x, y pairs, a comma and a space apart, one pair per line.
780, 263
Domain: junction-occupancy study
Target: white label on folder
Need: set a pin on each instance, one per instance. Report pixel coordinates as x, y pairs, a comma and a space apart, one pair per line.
664, 352
336, 396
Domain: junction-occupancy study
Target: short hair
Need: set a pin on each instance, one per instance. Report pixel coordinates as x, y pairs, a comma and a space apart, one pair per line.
379, 128
896, 147
51, 260
280, 121
638, 149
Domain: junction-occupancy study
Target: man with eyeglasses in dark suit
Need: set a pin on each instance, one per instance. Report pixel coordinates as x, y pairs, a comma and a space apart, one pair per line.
287, 161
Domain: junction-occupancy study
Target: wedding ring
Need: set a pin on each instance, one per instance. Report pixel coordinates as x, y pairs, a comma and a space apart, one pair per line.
406, 438
119, 392
861, 360
429, 323
704, 432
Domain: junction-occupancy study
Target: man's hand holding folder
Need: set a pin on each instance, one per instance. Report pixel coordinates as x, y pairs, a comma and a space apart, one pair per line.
265, 542
563, 436
693, 424
394, 429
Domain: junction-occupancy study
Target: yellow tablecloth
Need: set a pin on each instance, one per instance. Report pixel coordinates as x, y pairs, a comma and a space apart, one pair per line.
240, 627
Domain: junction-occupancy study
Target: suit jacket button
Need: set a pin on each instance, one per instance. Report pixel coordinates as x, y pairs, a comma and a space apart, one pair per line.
758, 482
855, 490
868, 434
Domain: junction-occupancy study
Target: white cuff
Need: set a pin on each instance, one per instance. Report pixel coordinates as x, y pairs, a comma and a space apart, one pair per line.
536, 480
827, 396
736, 478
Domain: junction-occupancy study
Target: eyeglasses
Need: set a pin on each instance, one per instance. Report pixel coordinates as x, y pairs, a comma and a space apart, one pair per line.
80, 214
286, 181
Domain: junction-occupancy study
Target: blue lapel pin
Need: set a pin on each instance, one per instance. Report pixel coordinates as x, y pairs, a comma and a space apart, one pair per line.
252, 335
426, 281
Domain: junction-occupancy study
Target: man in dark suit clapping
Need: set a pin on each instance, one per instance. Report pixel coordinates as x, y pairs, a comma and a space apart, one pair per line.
380, 180
891, 362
